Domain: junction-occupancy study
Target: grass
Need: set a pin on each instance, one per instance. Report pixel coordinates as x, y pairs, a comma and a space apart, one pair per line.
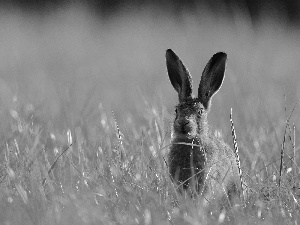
67, 159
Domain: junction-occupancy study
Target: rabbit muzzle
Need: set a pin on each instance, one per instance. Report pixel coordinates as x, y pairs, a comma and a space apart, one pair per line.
184, 126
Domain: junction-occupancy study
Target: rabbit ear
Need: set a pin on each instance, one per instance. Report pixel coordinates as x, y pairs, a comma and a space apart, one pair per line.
212, 78
179, 75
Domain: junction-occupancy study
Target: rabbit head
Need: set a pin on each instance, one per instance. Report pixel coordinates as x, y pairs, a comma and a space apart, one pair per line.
191, 112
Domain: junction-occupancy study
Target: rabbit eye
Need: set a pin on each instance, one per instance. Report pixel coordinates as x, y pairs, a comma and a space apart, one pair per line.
200, 112
176, 110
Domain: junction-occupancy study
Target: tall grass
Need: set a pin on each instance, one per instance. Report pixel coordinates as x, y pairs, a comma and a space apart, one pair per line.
67, 159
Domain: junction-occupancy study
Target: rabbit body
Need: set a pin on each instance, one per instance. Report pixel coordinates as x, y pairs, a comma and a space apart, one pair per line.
196, 156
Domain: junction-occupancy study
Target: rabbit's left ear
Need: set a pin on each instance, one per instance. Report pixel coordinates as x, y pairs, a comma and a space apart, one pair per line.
212, 78
179, 76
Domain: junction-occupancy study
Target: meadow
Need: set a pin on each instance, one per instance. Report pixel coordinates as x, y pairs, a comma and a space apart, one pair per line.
86, 109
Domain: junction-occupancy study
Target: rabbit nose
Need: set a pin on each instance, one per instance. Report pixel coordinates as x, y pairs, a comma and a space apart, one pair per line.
183, 126
183, 122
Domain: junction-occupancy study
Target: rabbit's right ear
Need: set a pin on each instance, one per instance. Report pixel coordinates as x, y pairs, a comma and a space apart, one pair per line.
212, 78
179, 76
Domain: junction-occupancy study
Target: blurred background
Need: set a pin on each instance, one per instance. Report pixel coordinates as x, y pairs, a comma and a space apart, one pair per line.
64, 59
65, 65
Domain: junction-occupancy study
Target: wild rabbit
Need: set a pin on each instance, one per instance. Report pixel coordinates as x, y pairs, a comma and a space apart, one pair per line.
196, 156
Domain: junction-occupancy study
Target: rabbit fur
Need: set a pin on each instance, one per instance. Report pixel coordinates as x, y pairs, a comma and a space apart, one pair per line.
196, 156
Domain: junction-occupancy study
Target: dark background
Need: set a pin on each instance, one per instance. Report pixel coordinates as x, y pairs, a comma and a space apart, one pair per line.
256, 9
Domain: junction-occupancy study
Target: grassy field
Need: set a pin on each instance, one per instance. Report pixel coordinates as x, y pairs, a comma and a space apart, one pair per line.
86, 109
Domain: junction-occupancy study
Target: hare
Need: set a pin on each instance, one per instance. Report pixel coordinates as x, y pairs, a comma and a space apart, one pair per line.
196, 156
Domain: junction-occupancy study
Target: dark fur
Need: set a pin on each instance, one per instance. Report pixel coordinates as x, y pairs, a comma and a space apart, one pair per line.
196, 154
